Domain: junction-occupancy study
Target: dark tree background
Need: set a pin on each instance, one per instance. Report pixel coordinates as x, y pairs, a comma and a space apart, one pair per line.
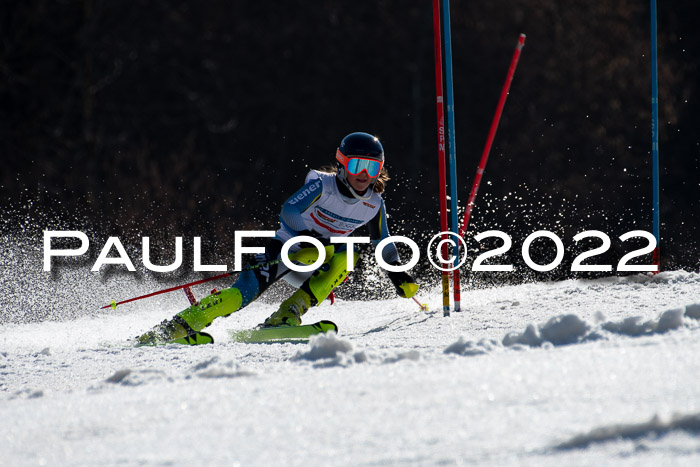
200, 118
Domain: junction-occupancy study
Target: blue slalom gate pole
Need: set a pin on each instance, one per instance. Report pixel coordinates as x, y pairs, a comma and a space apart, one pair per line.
449, 101
655, 137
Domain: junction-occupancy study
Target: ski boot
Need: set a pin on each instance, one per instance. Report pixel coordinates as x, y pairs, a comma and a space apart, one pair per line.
290, 311
312, 292
185, 327
174, 331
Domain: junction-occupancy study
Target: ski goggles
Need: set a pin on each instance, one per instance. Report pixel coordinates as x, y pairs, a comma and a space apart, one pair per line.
355, 165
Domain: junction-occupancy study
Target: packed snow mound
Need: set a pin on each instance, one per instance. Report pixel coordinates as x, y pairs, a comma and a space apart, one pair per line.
325, 346
27, 393
129, 377
210, 368
570, 329
215, 368
656, 426
470, 348
633, 326
328, 350
560, 330
693, 311
412, 355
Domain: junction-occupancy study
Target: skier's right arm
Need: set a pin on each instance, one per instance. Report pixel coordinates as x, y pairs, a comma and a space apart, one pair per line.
292, 210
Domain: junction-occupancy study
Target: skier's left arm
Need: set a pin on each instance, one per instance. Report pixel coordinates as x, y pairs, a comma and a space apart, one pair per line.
405, 285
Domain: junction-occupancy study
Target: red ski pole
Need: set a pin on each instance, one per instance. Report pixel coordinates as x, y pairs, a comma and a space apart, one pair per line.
492, 133
178, 287
441, 151
302, 256
190, 297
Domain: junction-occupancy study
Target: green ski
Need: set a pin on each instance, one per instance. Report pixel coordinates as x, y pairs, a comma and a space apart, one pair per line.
196, 338
283, 333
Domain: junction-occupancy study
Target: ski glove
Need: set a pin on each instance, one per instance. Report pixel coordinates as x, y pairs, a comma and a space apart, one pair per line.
405, 285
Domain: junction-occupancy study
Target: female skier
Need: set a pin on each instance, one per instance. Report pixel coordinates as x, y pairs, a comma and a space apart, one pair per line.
332, 203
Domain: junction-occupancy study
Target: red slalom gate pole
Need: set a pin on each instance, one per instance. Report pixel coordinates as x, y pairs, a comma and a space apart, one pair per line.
492, 134
441, 150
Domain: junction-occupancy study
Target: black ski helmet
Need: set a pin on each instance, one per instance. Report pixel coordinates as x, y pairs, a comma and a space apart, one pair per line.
362, 145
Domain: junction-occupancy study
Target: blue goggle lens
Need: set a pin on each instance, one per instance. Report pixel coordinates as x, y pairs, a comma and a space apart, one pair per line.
355, 166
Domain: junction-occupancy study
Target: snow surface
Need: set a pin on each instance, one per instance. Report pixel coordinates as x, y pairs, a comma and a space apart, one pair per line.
578, 372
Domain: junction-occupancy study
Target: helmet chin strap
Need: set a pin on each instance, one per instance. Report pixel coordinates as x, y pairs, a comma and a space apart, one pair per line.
367, 193
363, 197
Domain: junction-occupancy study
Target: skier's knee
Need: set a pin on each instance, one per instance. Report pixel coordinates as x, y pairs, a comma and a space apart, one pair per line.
331, 276
309, 255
